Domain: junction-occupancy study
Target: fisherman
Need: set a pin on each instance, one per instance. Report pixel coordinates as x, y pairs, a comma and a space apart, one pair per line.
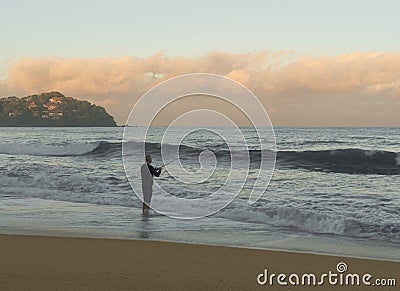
147, 173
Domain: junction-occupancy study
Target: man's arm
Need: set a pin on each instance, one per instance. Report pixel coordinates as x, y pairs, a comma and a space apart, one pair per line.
155, 172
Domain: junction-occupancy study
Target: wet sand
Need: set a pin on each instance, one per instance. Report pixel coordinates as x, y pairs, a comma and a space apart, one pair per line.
55, 263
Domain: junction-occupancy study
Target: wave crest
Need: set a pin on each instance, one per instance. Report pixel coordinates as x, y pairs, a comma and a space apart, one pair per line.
40, 149
349, 161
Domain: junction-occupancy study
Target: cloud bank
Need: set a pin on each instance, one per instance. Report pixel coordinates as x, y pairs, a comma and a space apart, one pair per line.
353, 89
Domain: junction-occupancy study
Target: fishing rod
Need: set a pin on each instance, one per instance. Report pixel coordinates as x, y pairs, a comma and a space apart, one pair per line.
174, 160
179, 158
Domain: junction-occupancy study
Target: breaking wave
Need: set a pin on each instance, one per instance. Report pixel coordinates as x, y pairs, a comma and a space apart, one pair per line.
116, 191
350, 160
67, 149
312, 221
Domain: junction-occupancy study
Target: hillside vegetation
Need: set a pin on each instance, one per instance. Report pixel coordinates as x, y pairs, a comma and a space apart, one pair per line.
52, 109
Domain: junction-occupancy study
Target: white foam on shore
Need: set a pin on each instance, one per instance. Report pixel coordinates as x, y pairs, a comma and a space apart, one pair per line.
96, 191
210, 231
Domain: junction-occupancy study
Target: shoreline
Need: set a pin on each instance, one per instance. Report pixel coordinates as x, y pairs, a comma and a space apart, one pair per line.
270, 240
92, 235
65, 263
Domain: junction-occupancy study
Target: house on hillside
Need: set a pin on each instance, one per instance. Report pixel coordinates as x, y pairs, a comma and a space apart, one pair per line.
55, 114
56, 100
50, 106
14, 113
32, 105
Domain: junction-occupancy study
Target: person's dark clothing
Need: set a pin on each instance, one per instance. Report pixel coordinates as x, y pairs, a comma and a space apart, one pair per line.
153, 171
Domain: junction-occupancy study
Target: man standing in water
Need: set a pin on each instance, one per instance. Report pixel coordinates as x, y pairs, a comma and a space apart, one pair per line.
147, 173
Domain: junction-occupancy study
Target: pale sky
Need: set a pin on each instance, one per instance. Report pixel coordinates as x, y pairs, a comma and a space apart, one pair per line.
307, 61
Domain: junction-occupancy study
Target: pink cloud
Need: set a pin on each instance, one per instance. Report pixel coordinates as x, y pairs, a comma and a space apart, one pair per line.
294, 88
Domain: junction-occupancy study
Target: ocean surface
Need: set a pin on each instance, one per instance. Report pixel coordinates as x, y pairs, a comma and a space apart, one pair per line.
334, 190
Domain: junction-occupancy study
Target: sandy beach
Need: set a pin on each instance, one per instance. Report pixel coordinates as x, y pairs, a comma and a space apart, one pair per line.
55, 263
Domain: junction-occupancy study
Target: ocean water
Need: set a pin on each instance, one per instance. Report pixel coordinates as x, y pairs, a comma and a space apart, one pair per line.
333, 191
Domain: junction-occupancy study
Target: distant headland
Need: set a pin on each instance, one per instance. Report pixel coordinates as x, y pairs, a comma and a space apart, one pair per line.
52, 109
